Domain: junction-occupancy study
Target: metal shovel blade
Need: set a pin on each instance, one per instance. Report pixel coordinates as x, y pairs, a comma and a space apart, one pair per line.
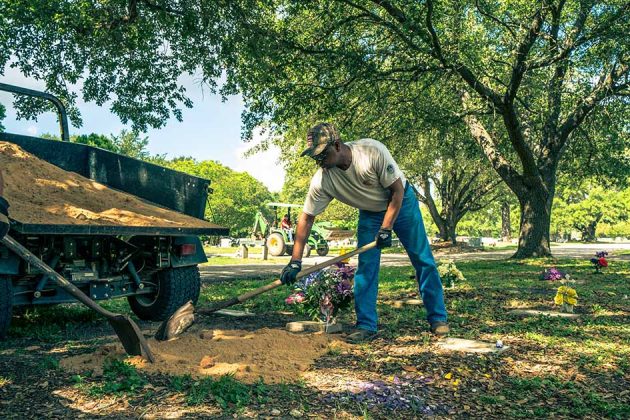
179, 322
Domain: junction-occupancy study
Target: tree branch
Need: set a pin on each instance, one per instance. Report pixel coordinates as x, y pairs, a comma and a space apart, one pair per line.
490, 149
465, 73
605, 88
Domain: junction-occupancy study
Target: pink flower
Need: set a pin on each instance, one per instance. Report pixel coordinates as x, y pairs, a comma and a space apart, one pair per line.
295, 298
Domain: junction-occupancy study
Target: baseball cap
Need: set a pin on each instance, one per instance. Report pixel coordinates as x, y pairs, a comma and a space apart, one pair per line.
319, 137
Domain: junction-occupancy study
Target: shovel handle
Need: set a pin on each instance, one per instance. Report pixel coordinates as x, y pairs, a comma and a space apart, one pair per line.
277, 283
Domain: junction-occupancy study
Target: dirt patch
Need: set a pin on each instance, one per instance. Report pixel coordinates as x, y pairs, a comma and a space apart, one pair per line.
42, 193
273, 354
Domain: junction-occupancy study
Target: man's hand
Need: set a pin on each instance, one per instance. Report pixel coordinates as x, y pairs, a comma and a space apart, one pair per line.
4, 217
384, 238
290, 272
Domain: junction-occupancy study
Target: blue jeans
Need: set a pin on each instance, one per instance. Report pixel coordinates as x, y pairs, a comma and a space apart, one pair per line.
410, 230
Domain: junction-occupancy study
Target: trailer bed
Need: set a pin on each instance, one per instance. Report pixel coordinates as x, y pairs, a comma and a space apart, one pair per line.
46, 199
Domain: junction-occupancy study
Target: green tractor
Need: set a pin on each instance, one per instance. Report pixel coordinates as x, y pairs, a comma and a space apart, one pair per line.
280, 240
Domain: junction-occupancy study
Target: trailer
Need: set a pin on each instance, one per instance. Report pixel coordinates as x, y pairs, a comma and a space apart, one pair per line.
154, 264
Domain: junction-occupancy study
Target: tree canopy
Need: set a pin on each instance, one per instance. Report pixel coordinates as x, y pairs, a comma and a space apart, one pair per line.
534, 82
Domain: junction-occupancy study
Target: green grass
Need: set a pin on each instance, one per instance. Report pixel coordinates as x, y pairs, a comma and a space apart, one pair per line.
554, 367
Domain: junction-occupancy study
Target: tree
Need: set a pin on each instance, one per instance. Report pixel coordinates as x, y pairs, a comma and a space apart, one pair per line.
128, 143
236, 197
529, 78
446, 165
583, 209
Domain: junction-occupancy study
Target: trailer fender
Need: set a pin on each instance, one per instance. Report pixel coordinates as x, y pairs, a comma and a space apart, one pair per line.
187, 250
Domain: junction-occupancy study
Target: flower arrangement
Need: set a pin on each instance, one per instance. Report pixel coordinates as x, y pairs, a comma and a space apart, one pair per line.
553, 274
566, 297
449, 273
600, 261
324, 293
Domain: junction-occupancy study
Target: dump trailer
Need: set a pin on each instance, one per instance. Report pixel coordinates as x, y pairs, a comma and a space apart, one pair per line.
152, 263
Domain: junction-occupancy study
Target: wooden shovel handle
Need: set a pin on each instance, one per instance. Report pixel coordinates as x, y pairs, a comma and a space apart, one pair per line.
277, 283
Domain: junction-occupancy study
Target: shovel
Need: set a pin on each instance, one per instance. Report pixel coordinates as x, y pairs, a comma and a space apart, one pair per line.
127, 331
184, 317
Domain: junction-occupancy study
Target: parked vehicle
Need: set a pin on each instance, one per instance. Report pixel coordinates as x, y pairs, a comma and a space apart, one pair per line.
154, 267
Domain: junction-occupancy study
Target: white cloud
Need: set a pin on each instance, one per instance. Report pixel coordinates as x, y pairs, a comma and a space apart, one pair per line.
264, 166
32, 130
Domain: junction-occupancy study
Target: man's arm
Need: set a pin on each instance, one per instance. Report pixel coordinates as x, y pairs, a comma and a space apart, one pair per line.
290, 272
384, 235
397, 192
303, 230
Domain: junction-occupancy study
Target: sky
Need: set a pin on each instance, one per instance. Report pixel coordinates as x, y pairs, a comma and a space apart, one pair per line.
211, 130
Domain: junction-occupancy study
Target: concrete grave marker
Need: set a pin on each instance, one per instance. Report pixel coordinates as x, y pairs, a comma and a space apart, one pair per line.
232, 312
523, 313
313, 326
470, 346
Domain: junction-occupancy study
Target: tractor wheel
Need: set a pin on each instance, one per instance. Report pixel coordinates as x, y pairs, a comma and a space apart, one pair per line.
276, 244
6, 305
176, 286
322, 252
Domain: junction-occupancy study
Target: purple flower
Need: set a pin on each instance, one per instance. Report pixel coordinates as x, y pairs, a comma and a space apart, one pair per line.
601, 254
553, 274
344, 288
345, 272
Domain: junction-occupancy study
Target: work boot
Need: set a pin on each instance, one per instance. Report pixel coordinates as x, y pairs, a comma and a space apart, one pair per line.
440, 328
359, 335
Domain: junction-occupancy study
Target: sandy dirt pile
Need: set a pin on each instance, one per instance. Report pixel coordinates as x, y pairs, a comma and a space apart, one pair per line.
273, 354
42, 193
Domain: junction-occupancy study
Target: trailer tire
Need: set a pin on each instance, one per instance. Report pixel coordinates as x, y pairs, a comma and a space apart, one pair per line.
322, 252
276, 244
176, 286
6, 305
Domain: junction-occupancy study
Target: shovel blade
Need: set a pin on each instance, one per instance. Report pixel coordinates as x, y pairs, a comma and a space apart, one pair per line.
179, 322
131, 337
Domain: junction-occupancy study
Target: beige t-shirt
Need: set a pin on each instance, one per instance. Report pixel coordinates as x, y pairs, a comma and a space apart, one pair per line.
364, 185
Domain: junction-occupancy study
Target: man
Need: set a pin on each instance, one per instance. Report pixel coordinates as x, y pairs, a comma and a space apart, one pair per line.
4, 211
364, 175
285, 224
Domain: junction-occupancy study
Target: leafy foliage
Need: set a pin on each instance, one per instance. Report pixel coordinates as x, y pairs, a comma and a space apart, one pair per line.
236, 197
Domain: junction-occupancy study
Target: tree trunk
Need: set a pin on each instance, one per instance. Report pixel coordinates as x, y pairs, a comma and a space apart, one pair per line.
535, 222
452, 235
588, 231
506, 226
443, 234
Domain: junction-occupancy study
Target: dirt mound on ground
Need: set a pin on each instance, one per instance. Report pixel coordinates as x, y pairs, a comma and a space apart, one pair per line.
273, 354
42, 193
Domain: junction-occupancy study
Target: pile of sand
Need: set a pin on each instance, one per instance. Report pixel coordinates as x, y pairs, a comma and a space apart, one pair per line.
273, 354
42, 193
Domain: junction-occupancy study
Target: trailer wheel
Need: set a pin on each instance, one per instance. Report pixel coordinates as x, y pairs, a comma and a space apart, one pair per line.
322, 252
6, 305
176, 286
276, 244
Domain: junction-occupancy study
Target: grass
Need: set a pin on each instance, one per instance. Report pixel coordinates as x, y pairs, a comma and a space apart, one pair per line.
554, 367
